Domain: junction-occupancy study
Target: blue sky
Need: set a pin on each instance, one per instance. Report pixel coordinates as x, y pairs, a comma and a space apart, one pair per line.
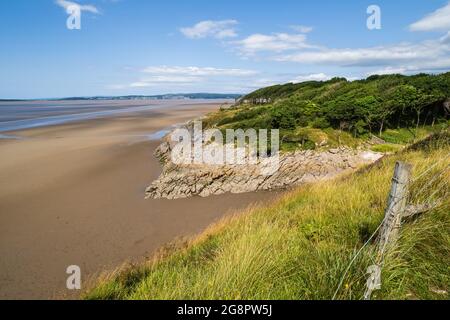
150, 47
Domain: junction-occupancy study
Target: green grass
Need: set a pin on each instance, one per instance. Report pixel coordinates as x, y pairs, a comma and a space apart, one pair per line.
300, 246
307, 138
405, 136
386, 148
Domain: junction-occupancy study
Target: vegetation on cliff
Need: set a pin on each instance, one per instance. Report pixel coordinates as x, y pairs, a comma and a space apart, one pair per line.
397, 108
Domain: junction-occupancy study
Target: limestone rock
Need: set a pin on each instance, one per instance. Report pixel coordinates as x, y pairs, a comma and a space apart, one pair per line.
296, 168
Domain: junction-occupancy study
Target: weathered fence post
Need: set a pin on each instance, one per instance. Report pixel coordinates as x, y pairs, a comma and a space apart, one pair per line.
395, 210
397, 202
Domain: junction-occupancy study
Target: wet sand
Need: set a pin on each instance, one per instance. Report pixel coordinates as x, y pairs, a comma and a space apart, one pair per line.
73, 194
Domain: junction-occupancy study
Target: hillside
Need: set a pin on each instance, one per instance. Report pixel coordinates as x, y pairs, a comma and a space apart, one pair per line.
311, 114
300, 246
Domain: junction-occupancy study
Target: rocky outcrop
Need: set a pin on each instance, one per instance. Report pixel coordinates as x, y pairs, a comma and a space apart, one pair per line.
296, 168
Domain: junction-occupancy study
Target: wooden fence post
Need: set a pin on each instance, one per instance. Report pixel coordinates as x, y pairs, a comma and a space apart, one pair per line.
395, 211
397, 202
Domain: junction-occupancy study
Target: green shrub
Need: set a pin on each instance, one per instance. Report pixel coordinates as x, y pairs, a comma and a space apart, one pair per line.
320, 123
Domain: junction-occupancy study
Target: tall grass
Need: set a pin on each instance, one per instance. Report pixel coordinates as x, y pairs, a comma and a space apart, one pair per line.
300, 246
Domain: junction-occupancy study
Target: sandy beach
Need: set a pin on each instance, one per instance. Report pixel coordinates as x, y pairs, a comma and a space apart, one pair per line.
73, 194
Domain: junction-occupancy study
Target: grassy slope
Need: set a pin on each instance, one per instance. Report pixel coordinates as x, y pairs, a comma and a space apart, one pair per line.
300, 246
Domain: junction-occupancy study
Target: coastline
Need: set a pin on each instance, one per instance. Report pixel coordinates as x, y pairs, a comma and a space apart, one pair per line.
73, 194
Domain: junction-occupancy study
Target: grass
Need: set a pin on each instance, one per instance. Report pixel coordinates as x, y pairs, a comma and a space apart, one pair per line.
405, 136
300, 246
386, 148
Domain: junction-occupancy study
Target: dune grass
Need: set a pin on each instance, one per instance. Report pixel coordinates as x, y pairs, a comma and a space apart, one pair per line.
300, 246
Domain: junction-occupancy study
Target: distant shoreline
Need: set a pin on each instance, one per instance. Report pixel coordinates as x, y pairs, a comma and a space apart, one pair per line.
175, 96
24, 115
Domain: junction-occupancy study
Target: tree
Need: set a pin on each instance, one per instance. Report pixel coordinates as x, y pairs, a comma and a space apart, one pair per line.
368, 108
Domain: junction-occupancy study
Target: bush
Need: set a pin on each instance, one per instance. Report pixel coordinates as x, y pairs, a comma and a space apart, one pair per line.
309, 145
361, 128
320, 123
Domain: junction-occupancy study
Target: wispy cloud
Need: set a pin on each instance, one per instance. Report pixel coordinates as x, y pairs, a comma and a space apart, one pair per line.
276, 42
427, 55
209, 28
254, 43
404, 57
197, 71
438, 65
167, 77
311, 77
160, 80
87, 7
166, 81
361, 56
388, 70
438, 20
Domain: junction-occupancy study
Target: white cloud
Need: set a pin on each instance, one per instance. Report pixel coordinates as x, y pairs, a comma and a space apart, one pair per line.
277, 42
170, 79
388, 70
197, 71
357, 56
138, 84
427, 55
164, 81
405, 57
302, 29
439, 65
87, 7
175, 76
209, 28
438, 20
311, 77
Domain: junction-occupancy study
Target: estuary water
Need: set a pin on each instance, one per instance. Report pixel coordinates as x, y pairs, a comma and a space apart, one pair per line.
32, 114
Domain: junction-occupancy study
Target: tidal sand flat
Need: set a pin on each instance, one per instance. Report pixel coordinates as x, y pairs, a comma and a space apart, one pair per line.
73, 194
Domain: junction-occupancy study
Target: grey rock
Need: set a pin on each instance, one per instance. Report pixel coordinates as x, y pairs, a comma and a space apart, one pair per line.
296, 168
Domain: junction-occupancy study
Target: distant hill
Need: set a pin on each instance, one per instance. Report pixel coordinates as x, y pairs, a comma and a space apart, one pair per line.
170, 96
161, 97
